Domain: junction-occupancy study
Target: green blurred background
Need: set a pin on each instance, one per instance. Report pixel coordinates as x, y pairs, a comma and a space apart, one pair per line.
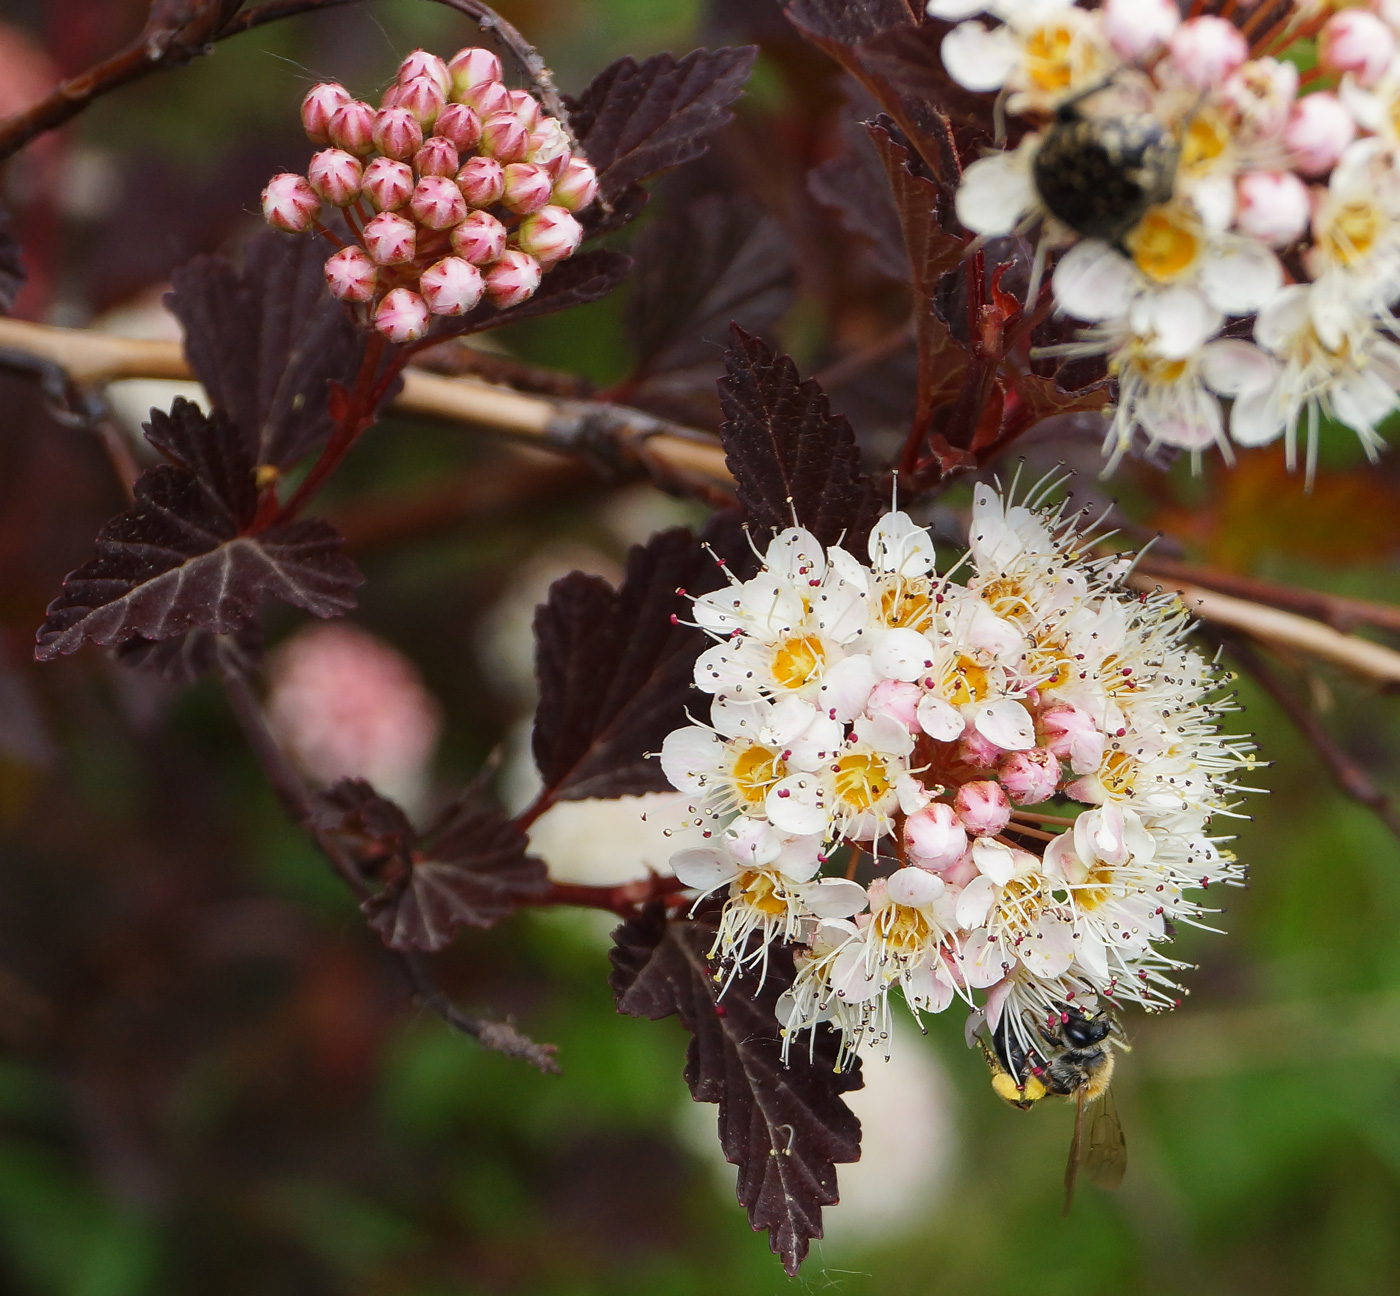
212, 1081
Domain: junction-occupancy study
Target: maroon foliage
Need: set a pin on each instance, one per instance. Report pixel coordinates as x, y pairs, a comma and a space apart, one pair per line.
790, 455
12, 275
181, 557
784, 1126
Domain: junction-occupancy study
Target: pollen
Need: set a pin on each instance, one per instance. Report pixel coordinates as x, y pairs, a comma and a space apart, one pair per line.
1163, 244
798, 661
860, 780
755, 770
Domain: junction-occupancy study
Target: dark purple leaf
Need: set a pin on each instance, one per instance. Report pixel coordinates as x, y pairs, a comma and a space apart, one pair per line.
785, 1127
180, 557
267, 339
12, 273
854, 187
614, 672
717, 260
848, 22
352, 808
788, 452
637, 120
194, 654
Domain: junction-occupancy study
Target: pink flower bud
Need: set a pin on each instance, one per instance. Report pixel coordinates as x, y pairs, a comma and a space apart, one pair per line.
389, 184
983, 807
504, 137
1357, 42
978, 752
352, 128
935, 837
459, 124
451, 286
390, 239
480, 239
486, 98
1206, 50
893, 698
351, 274
402, 316
438, 203
482, 181
1261, 95
1318, 131
525, 106
289, 203
320, 106
437, 157
397, 133
422, 64
527, 187
549, 147
1030, 777
550, 235
471, 67
335, 175
1071, 734
576, 187
1137, 27
423, 99
513, 279
1273, 206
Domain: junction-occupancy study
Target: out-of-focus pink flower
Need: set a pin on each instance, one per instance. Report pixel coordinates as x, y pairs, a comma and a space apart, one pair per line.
1318, 132
1206, 50
1357, 42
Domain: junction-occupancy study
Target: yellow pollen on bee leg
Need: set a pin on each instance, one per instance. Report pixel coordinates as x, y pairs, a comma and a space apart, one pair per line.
797, 661
1163, 245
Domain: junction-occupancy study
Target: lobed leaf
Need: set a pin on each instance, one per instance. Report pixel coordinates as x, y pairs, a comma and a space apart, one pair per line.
181, 558
790, 455
785, 1127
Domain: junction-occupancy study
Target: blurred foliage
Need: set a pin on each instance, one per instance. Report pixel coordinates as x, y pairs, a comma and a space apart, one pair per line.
211, 1079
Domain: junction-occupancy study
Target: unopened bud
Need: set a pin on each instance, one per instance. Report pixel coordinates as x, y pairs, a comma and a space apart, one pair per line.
978, 752
1071, 734
438, 203
486, 98
390, 239
550, 235
513, 279
480, 239
471, 66
289, 203
420, 63
335, 175
525, 106
397, 133
1137, 27
482, 181
423, 99
549, 147
1207, 49
983, 808
389, 184
352, 128
320, 106
1273, 206
1030, 777
935, 837
1357, 42
402, 316
437, 157
527, 187
459, 124
577, 187
893, 698
451, 286
504, 137
1318, 131
351, 275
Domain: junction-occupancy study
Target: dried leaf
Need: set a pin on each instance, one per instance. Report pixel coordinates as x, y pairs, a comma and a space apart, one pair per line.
637, 120
179, 558
266, 340
785, 1127
12, 273
788, 452
614, 672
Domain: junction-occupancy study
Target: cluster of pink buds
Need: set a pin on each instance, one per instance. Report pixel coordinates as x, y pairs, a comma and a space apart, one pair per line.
455, 188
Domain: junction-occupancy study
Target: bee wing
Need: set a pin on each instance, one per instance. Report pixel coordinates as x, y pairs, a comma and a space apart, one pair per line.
1106, 1157
1076, 1150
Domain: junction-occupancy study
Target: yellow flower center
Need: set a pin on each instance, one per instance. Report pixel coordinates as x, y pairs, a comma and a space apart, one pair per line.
1020, 904
906, 604
1096, 889
1050, 57
1005, 597
1163, 244
861, 780
1118, 772
797, 661
904, 930
760, 891
965, 682
1203, 141
1352, 232
756, 770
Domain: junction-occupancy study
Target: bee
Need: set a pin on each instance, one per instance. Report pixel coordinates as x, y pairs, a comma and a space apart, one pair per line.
1076, 1061
1099, 175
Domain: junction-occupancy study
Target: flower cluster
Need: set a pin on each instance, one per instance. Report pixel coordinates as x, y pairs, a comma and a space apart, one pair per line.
1264, 193
453, 189
899, 727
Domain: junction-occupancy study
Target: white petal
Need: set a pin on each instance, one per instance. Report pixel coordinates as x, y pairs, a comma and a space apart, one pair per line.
1213, 197
978, 58
703, 868
954, 10
1233, 366
796, 556
1006, 723
846, 686
816, 745
1179, 321
995, 193
840, 610
1093, 955
914, 886
939, 719
754, 843
928, 990
884, 734
772, 607
1284, 318
982, 961
1363, 400
1049, 949
690, 757
834, 898
1093, 281
975, 902
994, 860
1240, 275
852, 979
898, 544
797, 805
1257, 417
900, 654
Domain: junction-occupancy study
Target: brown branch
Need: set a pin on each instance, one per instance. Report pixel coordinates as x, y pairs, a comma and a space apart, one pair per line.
624, 900
1347, 773
291, 790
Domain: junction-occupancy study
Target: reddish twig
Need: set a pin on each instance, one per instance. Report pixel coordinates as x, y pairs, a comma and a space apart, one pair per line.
624, 900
